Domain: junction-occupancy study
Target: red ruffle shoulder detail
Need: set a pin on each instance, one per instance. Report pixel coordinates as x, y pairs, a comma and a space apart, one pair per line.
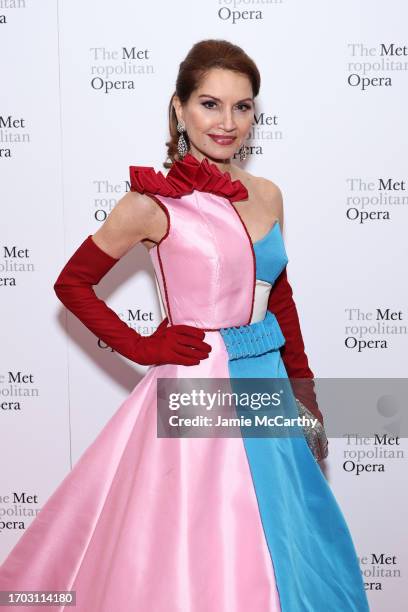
184, 177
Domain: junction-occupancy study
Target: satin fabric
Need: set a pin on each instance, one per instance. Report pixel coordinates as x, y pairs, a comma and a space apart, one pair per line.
188, 524
315, 562
147, 523
205, 266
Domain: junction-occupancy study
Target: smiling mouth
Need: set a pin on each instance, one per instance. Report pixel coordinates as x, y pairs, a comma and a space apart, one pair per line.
222, 139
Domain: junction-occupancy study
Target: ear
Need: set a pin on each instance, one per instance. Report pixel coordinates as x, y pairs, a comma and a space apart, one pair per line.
178, 108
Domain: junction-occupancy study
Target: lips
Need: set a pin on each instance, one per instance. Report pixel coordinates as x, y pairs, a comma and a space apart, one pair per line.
223, 140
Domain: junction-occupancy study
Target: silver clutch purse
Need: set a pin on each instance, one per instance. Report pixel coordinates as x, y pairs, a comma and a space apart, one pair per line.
315, 436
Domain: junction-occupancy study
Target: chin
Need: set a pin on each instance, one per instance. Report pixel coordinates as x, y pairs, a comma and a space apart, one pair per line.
220, 153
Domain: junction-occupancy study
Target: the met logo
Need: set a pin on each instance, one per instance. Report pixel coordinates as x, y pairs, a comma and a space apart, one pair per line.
14, 260
14, 136
134, 54
231, 10
374, 200
265, 128
369, 64
111, 63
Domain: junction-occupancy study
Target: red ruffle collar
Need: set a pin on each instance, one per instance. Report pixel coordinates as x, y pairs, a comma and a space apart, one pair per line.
184, 177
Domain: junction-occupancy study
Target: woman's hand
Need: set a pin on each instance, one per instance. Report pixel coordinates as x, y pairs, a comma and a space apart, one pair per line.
178, 344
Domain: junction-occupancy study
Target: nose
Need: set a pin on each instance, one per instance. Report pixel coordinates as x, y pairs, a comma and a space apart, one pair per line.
227, 120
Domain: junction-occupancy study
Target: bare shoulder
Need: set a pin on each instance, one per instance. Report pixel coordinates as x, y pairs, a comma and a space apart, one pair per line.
134, 214
131, 220
137, 206
264, 190
268, 189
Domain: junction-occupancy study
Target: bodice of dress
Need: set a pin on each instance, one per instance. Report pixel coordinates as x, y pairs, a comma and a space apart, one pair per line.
271, 258
208, 272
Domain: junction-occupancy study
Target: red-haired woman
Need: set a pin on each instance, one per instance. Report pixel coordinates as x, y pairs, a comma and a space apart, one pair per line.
196, 524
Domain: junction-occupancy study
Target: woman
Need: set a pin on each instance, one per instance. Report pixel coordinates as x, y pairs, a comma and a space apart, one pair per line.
204, 524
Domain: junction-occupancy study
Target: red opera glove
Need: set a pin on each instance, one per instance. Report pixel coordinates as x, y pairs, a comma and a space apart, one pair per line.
282, 305
177, 344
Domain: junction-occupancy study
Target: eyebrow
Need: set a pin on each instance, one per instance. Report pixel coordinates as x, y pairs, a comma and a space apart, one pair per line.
218, 99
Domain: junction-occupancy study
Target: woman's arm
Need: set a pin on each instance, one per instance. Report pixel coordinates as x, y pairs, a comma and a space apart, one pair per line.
132, 220
282, 305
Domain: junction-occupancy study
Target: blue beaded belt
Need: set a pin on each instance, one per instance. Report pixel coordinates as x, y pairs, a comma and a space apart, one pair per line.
253, 339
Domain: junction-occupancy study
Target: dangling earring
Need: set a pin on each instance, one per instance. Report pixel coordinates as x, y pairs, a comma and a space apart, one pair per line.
182, 147
242, 152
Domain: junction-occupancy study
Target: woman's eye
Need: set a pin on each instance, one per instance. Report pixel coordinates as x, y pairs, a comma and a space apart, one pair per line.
208, 102
243, 107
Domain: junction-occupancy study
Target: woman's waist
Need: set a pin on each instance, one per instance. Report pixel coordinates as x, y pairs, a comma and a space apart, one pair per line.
225, 312
248, 340
254, 338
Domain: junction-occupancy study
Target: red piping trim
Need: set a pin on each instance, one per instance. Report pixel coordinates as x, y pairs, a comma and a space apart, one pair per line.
253, 261
163, 207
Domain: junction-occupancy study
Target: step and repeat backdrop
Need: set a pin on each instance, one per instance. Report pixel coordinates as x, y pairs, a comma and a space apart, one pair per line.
84, 93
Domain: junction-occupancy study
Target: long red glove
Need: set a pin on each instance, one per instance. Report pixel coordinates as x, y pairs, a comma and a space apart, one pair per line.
177, 344
294, 357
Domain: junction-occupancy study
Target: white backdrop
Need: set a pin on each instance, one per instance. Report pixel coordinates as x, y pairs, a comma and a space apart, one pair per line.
331, 132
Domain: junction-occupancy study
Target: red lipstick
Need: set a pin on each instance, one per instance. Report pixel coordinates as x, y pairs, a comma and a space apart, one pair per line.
222, 140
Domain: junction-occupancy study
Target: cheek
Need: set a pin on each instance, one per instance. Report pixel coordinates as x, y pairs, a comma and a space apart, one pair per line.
201, 120
245, 122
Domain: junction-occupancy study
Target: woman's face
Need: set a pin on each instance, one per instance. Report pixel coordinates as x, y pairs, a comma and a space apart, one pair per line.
222, 106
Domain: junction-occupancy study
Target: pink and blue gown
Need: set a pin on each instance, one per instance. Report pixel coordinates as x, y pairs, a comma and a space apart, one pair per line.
233, 524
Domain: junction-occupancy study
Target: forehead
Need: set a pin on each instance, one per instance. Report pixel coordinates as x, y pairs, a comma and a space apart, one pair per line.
220, 82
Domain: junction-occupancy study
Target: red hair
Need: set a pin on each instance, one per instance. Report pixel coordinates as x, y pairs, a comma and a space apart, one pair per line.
202, 57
